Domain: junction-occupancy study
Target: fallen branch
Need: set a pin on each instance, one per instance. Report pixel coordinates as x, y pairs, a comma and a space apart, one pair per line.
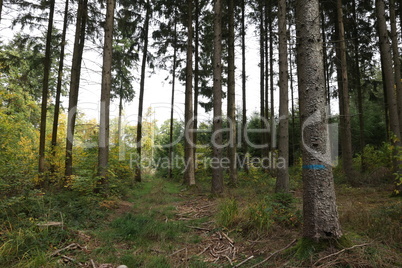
228, 238
73, 245
274, 253
339, 252
243, 262
177, 251
205, 249
93, 263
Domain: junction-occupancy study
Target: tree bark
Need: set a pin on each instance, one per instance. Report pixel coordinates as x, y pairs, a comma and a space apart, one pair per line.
271, 77
359, 89
58, 87
262, 74
282, 182
103, 154
196, 76
75, 82
172, 98
217, 171
244, 81
319, 203
189, 177
45, 90
232, 152
397, 62
138, 170
389, 81
346, 135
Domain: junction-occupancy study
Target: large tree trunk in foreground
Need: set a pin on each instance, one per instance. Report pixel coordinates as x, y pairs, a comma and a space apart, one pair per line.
320, 213
217, 171
45, 90
75, 82
282, 182
138, 169
103, 154
189, 177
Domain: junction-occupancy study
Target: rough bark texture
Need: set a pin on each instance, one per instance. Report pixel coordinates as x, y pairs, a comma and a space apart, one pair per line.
262, 73
217, 174
142, 89
103, 154
346, 134
59, 84
196, 75
319, 203
75, 82
271, 82
45, 91
189, 177
282, 182
243, 79
232, 152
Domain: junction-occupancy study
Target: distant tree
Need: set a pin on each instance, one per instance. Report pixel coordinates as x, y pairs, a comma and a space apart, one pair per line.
217, 171
189, 177
45, 90
320, 213
80, 33
103, 153
282, 182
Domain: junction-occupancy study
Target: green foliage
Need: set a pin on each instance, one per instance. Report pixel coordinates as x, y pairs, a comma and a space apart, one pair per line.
228, 211
283, 211
144, 229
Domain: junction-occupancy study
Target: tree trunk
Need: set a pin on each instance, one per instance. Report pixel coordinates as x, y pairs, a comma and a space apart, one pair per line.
397, 63
189, 177
138, 170
359, 89
196, 77
389, 81
217, 171
271, 68
346, 135
232, 153
75, 82
103, 154
319, 203
282, 182
45, 90
172, 98
262, 73
58, 88
243, 76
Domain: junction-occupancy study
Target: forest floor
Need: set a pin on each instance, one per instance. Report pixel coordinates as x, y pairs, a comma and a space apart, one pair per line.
161, 223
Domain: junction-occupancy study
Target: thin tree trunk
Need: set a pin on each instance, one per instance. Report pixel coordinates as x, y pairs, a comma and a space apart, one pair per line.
45, 90
217, 171
138, 169
319, 203
189, 177
326, 69
346, 140
119, 125
293, 108
58, 88
359, 89
196, 76
397, 62
282, 182
271, 68
266, 81
262, 72
1, 8
103, 154
244, 100
75, 82
232, 98
172, 99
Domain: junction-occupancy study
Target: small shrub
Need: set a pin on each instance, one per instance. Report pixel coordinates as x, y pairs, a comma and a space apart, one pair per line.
228, 211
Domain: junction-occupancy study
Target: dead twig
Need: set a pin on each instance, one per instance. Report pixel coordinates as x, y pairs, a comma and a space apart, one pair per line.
93, 263
71, 246
274, 253
228, 238
198, 228
230, 261
177, 251
243, 262
339, 252
205, 249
